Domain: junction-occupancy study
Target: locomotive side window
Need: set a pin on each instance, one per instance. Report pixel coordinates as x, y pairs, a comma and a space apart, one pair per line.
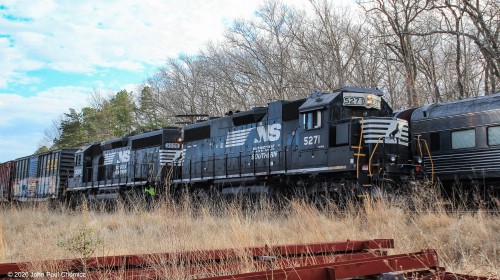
494, 135
312, 119
463, 139
435, 141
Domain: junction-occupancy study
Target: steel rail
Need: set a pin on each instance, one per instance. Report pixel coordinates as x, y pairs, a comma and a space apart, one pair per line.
207, 256
424, 260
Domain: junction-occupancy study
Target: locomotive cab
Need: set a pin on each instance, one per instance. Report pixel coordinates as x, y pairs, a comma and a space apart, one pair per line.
351, 132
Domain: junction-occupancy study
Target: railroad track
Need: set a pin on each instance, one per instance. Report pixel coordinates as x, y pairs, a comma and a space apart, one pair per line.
317, 261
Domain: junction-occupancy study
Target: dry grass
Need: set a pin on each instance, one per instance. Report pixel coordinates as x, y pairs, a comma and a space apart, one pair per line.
467, 242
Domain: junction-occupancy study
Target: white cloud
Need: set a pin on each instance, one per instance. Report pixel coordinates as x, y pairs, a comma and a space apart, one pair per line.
19, 145
78, 36
23, 119
40, 109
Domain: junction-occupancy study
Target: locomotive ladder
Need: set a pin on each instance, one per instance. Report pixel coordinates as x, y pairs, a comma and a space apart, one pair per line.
358, 154
428, 153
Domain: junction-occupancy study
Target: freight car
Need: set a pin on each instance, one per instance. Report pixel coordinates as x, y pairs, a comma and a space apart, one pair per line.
460, 142
328, 145
37, 177
121, 167
6, 180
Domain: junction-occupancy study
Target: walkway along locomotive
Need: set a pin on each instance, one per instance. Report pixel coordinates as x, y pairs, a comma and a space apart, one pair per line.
330, 144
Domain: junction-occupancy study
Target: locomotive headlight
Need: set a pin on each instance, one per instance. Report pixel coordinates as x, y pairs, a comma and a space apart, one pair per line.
179, 140
392, 158
417, 159
369, 100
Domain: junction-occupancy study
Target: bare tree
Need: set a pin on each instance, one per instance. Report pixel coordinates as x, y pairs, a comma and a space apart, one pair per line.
402, 17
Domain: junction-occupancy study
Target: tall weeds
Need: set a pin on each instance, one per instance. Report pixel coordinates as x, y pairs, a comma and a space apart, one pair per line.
467, 242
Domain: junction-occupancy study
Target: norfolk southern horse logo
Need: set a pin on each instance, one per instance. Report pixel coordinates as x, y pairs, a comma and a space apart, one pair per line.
395, 129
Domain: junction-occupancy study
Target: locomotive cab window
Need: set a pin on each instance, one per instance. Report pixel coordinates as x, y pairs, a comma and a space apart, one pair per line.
78, 160
312, 119
463, 139
494, 135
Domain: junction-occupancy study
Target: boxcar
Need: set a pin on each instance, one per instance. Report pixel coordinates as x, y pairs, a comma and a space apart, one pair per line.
42, 176
6, 180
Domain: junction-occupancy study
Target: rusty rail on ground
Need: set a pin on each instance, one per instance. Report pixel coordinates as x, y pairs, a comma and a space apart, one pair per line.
333, 260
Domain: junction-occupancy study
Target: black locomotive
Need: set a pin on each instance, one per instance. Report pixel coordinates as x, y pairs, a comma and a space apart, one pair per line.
121, 167
340, 144
328, 144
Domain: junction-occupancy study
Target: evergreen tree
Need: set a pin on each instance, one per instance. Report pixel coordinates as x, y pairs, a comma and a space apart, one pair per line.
111, 118
122, 108
72, 134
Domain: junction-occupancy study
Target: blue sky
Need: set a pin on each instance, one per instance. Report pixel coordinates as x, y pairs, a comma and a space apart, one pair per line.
55, 54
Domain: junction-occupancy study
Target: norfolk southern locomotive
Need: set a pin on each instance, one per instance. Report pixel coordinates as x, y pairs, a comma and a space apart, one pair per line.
328, 144
347, 142
121, 167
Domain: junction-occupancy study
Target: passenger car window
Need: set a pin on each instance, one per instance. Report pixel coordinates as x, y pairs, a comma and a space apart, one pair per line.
463, 139
494, 135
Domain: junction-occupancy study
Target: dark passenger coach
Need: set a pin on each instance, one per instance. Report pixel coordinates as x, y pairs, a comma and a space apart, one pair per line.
463, 139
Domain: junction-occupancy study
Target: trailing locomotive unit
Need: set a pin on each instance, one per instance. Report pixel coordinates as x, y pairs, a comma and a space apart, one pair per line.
124, 165
461, 141
327, 144
38, 177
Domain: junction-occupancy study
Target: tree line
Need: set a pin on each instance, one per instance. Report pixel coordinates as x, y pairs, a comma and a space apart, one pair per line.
417, 51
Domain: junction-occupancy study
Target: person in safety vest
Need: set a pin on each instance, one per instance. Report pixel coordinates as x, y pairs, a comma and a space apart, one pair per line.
149, 192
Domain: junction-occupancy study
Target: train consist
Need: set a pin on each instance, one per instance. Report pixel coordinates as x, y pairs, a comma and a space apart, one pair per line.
340, 144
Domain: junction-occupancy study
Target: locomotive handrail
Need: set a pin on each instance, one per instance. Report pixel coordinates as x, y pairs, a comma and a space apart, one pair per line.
430, 158
371, 157
428, 153
152, 170
359, 144
168, 178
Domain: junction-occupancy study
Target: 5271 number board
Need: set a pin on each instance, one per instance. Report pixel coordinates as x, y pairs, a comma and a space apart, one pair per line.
361, 99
